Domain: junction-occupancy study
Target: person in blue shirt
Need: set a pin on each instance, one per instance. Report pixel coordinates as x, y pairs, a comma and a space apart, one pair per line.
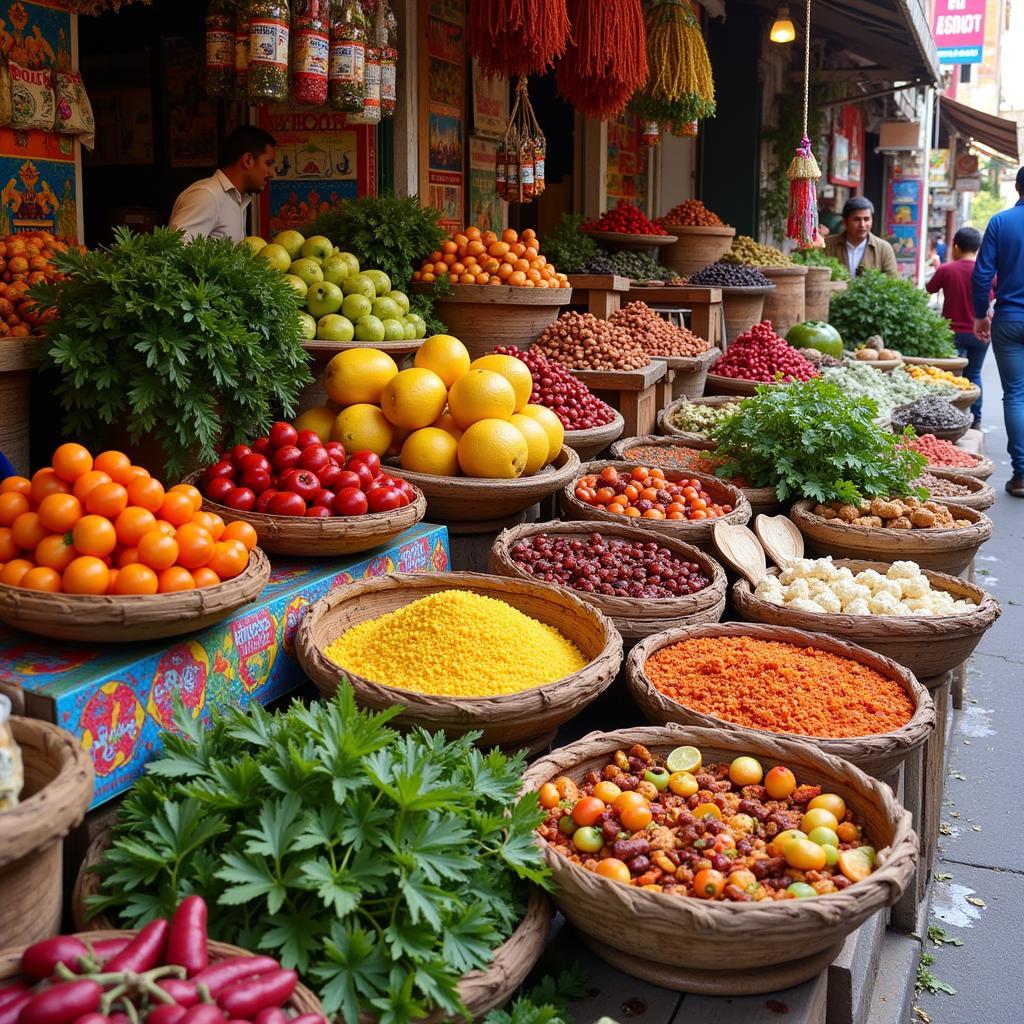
1002, 258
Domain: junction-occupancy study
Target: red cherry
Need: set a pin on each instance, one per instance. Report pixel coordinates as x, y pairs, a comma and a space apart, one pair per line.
306, 439
217, 490
283, 434
286, 457
240, 498
350, 502
286, 503
314, 457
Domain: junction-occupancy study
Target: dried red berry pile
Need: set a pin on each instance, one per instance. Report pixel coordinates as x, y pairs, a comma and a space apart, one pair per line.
690, 213
626, 219
940, 452
761, 355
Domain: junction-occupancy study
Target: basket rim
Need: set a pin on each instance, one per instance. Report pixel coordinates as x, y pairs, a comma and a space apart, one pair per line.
595, 433
539, 481
470, 292
980, 523
716, 378
719, 230
628, 236
796, 270
743, 289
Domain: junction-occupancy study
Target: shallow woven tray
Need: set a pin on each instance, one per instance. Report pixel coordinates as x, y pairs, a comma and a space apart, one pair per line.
633, 617
982, 471
885, 365
950, 434
927, 645
949, 551
982, 496
110, 618
588, 443
337, 535
725, 948
627, 240
510, 719
952, 363
966, 398
685, 437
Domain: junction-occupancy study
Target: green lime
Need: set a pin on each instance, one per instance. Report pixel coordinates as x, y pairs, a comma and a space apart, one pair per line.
684, 759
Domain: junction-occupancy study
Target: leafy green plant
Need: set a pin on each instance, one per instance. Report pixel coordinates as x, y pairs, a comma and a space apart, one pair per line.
381, 866
568, 248
196, 345
545, 1003
811, 440
385, 232
895, 309
820, 258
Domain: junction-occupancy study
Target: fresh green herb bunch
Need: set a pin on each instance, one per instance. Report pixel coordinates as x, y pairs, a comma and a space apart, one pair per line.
568, 248
820, 258
895, 309
390, 233
811, 440
381, 866
197, 345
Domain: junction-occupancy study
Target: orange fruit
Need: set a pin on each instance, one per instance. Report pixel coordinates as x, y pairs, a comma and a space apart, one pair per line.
493, 448
54, 552
58, 513
16, 484
363, 427
137, 473
514, 370
164, 527
146, 492
195, 546
319, 419
431, 450
229, 559
70, 461
27, 531
177, 508
445, 355
193, 494
209, 521
205, 577
551, 424
46, 481
88, 482
175, 579
86, 575
240, 530
127, 556
133, 524
12, 504
107, 500
8, 549
478, 395
413, 398
116, 465
517, 278
13, 572
537, 444
42, 578
358, 376
157, 550
94, 535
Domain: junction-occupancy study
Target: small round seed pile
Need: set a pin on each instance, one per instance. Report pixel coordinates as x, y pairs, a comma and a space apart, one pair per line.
729, 275
584, 342
931, 412
746, 250
654, 334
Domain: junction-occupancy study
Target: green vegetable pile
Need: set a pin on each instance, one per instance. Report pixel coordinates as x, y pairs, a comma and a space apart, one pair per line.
811, 440
820, 258
895, 309
381, 866
196, 345
568, 248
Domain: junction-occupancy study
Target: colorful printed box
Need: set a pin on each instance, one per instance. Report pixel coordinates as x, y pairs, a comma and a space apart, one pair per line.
118, 698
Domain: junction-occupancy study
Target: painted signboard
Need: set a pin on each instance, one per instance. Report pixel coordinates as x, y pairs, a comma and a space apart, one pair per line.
959, 31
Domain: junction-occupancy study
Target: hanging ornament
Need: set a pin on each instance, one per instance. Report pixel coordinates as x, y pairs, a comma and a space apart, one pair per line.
802, 222
605, 61
519, 172
650, 133
686, 130
516, 37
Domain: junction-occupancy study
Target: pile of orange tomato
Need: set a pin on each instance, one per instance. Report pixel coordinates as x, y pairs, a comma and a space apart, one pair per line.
25, 261
643, 492
481, 257
101, 525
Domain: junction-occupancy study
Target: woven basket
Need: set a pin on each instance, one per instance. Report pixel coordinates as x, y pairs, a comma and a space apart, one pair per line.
633, 617
742, 308
725, 948
691, 372
982, 496
927, 645
966, 398
785, 306
948, 434
878, 755
719, 385
697, 533
948, 551
58, 788
589, 443
697, 246
301, 1000
468, 499
984, 468
952, 363
685, 437
524, 718
817, 294
110, 618
18, 358
884, 365
337, 535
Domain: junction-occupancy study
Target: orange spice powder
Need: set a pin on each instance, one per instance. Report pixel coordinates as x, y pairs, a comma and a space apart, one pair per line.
780, 687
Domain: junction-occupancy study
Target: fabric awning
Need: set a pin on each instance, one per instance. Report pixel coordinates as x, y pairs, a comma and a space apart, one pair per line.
996, 133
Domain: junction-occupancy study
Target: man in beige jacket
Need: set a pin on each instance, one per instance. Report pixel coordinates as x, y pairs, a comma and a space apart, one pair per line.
855, 246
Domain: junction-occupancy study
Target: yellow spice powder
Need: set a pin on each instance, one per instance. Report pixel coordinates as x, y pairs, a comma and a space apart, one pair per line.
457, 644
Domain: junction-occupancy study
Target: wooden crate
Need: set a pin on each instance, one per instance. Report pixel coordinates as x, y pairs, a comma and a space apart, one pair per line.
632, 392
705, 304
600, 293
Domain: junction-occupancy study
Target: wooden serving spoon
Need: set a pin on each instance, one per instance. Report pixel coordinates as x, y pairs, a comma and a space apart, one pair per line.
780, 538
742, 550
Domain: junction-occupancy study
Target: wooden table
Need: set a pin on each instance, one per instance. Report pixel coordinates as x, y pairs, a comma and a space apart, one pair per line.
632, 392
705, 304
600, 293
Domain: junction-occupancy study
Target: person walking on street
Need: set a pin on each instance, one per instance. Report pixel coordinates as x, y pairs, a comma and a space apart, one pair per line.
855, 246
1002, 258
957, 307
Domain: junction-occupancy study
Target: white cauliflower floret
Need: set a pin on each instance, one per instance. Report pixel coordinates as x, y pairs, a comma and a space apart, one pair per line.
803, 605
869, 578
903, 570
845, 590
798, 589
817, 586
769, 585
802, 566
822, 568
883, 604
829, 602
773, 597
963, 606
788, 575
857, 607
918, 605
856, 592
914, 586
886, 586
844, 572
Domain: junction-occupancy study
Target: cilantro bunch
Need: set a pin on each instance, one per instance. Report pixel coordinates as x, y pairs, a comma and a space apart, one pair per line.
381, 866
812, 440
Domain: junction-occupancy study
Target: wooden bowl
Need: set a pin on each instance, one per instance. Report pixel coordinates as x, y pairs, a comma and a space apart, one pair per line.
461, 499
696, 533
879, 755
982, 495
949, 551
952, 434
966, 398
109, 618
588, 443
727, 948
719, 385
515, 719
633, 617
338, 535
927, 645
682, 436
952, 363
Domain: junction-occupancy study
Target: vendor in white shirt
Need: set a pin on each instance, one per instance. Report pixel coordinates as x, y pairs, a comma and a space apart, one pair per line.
855, 246
216, 207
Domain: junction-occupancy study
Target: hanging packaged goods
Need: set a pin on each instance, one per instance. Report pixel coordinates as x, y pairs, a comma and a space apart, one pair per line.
268, 51
519, 174
220, 49
311, 37
241, 88
347, 75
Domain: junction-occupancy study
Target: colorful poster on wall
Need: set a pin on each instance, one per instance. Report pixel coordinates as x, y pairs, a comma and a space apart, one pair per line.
446, 111
39, 181
903, 220
321, 160
486, 210
938, 168
846, 157
490, 103
627, 162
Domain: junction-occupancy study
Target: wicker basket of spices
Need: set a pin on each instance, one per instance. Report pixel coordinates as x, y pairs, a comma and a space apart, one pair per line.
691, 440
982, 496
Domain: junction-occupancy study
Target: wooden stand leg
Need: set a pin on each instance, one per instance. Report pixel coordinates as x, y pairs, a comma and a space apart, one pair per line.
663, 389
602, 304
700, 319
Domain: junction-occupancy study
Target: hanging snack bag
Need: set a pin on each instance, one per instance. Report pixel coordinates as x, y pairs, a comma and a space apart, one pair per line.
74, 111
32, 102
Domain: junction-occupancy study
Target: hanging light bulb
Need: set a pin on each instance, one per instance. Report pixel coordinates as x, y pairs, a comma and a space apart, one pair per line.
782, 28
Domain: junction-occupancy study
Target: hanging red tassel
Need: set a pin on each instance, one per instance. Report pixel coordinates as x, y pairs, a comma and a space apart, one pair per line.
516, 37
606, 59
802, 222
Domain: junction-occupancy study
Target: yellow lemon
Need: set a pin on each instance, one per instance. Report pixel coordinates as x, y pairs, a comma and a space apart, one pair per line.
536, 441
551, 423
413, 398
431, 450
446, 423
445, 355
363, 428
515, 371
493, 448
480, 395
358, 375
319, 419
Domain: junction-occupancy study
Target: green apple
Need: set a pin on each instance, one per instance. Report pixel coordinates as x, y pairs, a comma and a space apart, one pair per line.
411, 330
385, 308
324, 298
352, 262
421, 324
298, 284
255, 243
308, 326
380, 280
335, 328
356, 306
394, 330
291, 242
359, 284
319, 247
335, 269
369, 328
308, 270
401, 298
277, 256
